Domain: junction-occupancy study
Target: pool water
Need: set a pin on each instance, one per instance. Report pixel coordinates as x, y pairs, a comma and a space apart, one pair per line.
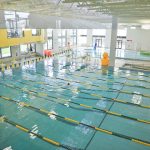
45, 85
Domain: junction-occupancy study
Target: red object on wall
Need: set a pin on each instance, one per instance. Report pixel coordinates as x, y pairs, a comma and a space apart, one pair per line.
48, 52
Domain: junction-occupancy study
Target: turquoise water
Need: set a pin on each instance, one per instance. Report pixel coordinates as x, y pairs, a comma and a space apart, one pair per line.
75, 136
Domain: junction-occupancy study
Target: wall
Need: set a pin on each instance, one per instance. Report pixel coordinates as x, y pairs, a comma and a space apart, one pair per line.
28, 38
138, 39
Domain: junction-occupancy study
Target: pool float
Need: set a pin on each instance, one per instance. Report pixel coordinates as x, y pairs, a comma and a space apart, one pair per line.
48, 52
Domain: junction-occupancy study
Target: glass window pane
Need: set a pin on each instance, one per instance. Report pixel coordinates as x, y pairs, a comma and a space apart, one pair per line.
49, 32
45, 46
59, 42
49, 44
59, 32
63, 42
15, 22
5, 52
24, 48
63, 32
36, 32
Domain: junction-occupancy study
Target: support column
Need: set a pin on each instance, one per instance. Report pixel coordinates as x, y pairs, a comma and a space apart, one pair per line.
15, 51
108, 38
89, 37
113, 41
55, 40
2, 20
40, 48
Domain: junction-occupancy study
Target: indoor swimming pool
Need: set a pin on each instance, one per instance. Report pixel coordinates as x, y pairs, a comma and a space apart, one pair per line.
58, 104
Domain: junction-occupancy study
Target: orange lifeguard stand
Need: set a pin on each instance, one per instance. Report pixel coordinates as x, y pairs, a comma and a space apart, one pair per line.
105, 59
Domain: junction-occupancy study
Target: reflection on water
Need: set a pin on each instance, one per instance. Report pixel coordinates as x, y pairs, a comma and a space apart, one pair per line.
34, 130
104, 70
137, 99
8, 148
52, 115
101, 103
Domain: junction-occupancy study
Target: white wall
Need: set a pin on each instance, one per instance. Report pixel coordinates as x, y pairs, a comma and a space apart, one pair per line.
139, 39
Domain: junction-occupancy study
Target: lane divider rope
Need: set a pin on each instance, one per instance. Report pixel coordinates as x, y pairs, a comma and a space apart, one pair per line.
93, 95
70, 120
44, 96
27, 130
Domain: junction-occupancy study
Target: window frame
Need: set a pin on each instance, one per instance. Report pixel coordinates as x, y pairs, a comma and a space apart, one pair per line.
1, 57
37, 33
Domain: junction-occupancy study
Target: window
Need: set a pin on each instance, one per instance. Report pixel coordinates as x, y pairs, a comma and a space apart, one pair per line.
121, 38
5, 52
24, 49
36, 32
48, 44
15, 22
15, 33
32, 47
99, 37
45, 46
100, 40
73, 40
62, 38
73, 34
61, 32
49, 33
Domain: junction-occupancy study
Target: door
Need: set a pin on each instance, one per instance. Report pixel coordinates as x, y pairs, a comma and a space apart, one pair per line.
119, 44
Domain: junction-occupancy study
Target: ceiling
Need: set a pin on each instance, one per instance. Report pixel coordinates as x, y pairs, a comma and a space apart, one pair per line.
80, 13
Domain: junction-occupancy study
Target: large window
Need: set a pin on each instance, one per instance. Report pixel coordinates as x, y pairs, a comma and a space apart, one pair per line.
62, 38
15, 33
36, 32
73, 35
15, 22
99, 37
5, 52
24, 49
121, 38
49, 33
49, 43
